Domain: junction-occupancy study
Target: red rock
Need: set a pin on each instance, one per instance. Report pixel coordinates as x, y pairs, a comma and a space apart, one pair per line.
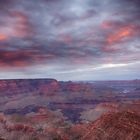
115, 126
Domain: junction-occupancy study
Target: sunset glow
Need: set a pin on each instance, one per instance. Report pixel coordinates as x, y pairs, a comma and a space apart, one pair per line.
2, 37
40, 39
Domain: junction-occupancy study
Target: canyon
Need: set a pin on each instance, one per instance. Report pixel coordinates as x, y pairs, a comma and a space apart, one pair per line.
47, 109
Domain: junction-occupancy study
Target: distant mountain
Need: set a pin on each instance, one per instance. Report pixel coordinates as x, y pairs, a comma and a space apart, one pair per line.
50, 86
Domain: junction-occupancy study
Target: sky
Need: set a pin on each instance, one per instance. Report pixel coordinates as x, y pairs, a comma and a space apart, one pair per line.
70, 39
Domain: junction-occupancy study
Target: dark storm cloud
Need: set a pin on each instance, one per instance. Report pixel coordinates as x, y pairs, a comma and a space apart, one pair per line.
69, 33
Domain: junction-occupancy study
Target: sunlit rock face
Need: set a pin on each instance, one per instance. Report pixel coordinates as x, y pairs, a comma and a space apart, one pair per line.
115, 126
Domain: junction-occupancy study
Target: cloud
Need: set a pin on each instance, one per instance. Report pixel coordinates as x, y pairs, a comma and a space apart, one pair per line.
2, 37
120, 35
75, 34
101, 67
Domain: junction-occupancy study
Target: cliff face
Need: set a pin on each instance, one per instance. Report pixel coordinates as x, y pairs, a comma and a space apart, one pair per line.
12, 87
115, 126
19, 86
42, 86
